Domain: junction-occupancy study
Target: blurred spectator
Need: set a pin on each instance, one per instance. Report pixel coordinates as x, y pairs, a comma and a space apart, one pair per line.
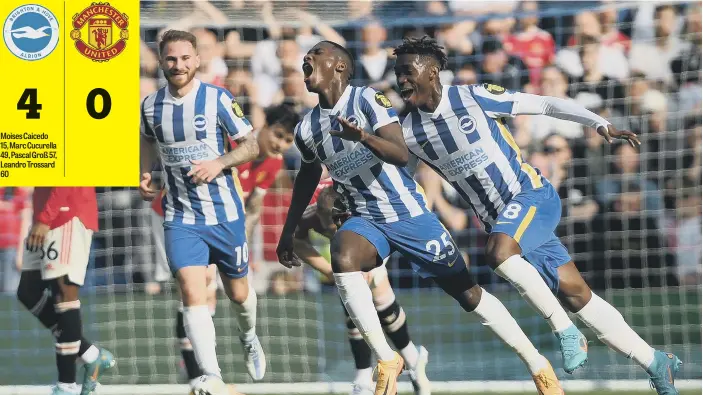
653, 58
359, 9
610, 61
148, 61
285, 48
628, 248
240, 84
687, 67
611, 35
590, 151
533, 45
294, 93
15, 221
500, 68
625, 169
638, 85
213, 69
477, 8
147, 86
586, 23
466, 75
454, 37
554, 83
593, 79
660, 146
574, 192
688, 234
644, 21
374, 68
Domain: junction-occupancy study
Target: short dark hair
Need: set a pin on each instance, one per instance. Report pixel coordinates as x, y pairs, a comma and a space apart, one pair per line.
346, 55
177, 35
424, 47
283, 115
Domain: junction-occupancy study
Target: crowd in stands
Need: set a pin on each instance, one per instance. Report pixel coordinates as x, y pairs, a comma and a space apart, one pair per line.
631, 216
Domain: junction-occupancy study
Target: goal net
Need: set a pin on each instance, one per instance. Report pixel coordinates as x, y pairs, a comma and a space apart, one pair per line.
631, 221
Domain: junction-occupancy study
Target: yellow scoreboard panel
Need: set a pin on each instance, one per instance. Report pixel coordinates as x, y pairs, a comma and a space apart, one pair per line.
69, 106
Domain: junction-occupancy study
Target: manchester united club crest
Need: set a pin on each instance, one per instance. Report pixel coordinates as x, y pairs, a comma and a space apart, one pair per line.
100, 32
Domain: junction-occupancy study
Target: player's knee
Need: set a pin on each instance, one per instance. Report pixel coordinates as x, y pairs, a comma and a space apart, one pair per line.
392, 317
344, 262
63, 290
29, 294
469, 299
499, 248
575, 295
192, 296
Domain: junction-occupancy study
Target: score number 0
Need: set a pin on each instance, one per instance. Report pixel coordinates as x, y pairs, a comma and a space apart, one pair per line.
28, 102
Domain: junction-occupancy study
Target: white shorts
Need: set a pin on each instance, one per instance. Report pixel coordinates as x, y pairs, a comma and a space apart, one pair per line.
65, 252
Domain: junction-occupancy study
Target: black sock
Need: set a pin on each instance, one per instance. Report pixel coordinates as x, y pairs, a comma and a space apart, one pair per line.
394, 324
360, 349
68, 340
187, 352
42, 307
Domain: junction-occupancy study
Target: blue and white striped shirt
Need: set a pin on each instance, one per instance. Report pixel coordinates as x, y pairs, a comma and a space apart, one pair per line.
374, 189
192, 128
466, 141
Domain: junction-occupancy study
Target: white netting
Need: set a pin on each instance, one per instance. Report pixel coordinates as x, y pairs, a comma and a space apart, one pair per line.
641, 249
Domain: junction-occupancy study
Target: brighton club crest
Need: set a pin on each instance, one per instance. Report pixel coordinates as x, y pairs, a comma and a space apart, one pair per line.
100, 32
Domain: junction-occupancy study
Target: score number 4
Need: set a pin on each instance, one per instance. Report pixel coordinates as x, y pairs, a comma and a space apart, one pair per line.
29, 102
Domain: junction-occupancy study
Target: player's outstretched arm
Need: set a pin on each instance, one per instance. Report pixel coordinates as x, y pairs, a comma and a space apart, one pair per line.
387, 144
305, 184
304, 249
529, 104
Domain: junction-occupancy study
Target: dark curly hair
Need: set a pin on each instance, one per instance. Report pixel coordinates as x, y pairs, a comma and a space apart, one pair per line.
283, 115
425, 47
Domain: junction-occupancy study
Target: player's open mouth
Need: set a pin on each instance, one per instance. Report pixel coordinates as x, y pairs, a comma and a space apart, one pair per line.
307, 70
406, 93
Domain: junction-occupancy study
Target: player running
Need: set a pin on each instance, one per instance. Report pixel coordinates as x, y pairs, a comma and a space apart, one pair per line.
355, 133
322, 216
187, 124
55, 260
459, 131
255, 177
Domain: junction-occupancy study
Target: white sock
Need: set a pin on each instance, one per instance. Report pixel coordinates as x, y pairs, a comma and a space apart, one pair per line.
201, 332
526, 279
611, 328
193, 382
356, 296
410, 355
246, 316
364, 377
91, 354
498, 319
70, 387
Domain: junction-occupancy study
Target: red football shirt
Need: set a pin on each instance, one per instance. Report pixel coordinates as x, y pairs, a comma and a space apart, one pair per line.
536, 48
12, 202
259, 174
54, 206
327, 182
